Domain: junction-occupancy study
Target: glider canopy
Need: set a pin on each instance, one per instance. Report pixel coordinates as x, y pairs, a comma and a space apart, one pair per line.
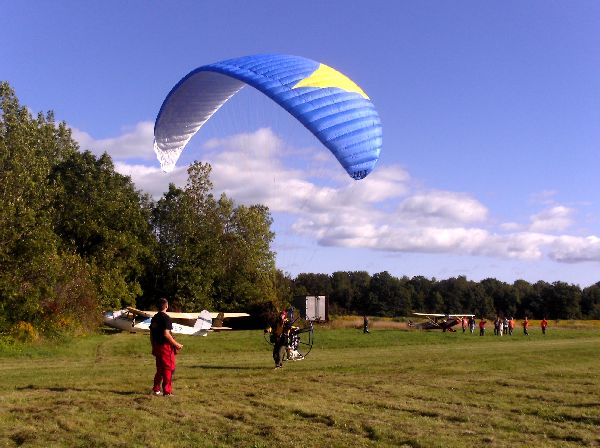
326, 102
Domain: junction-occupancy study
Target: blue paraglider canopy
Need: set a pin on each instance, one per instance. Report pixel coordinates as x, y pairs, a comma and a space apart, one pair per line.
329, 104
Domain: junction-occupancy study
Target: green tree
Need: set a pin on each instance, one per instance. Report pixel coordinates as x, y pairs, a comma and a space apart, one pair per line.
361, 288
502, 295
532, 304
476, 301
284, 289
453, 291
212, 253
313, 284
340, 299
184, 267
248, 272
388, 296
434, 303
590, 302
100, 216
561, 301
524, 293
421, 288
41, 281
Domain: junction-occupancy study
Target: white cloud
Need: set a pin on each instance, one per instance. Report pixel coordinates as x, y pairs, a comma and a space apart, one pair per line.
134, 143
554, 219
570, 249
386, 211
152, 180
250, 168
520, 245
443, 206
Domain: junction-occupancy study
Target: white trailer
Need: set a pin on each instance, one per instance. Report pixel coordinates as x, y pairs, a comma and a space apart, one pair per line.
313, 308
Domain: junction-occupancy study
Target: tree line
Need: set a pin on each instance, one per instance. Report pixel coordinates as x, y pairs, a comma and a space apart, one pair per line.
383, 294
77, 238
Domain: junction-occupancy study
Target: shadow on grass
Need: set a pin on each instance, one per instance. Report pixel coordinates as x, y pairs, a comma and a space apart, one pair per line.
77, 389
585, 405
109, 330
214, 367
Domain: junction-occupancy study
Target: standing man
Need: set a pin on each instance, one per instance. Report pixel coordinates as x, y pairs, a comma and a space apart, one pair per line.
526, 327
365, 324
472, 324
164, 349
482, 323
544, 324
511, 325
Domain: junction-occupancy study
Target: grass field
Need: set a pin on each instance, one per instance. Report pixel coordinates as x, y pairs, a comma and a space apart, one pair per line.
388, 388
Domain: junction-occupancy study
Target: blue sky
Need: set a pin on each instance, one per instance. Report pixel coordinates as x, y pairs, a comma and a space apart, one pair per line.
490, 111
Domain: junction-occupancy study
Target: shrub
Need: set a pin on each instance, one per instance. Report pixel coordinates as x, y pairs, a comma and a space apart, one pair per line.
24, 332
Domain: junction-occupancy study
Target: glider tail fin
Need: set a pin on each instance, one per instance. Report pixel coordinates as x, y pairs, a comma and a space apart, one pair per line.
203, 323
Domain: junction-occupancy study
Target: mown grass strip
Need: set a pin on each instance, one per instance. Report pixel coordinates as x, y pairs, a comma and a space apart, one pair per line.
389, 388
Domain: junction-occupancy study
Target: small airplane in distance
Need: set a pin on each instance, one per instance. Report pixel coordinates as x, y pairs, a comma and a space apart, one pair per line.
443, 322
194, 324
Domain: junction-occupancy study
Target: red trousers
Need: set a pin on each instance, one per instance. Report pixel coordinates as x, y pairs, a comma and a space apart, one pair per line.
165, 366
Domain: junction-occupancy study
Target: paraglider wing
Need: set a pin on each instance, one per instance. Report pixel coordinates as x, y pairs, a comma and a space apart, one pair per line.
325, 101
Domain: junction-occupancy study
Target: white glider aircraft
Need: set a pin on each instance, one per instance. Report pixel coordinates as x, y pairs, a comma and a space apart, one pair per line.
194, 324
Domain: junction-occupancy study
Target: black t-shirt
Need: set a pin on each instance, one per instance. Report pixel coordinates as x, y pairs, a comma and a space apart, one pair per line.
159, 323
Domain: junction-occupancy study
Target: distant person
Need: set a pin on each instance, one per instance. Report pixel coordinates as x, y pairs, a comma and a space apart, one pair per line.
497, 326
505, 325
164, 349
365, 324
464, 324
526, 327
472, 324
511, 326
544, 325
482, 323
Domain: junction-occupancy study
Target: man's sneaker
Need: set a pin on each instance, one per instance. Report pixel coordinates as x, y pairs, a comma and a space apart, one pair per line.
168, 395
156, 392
